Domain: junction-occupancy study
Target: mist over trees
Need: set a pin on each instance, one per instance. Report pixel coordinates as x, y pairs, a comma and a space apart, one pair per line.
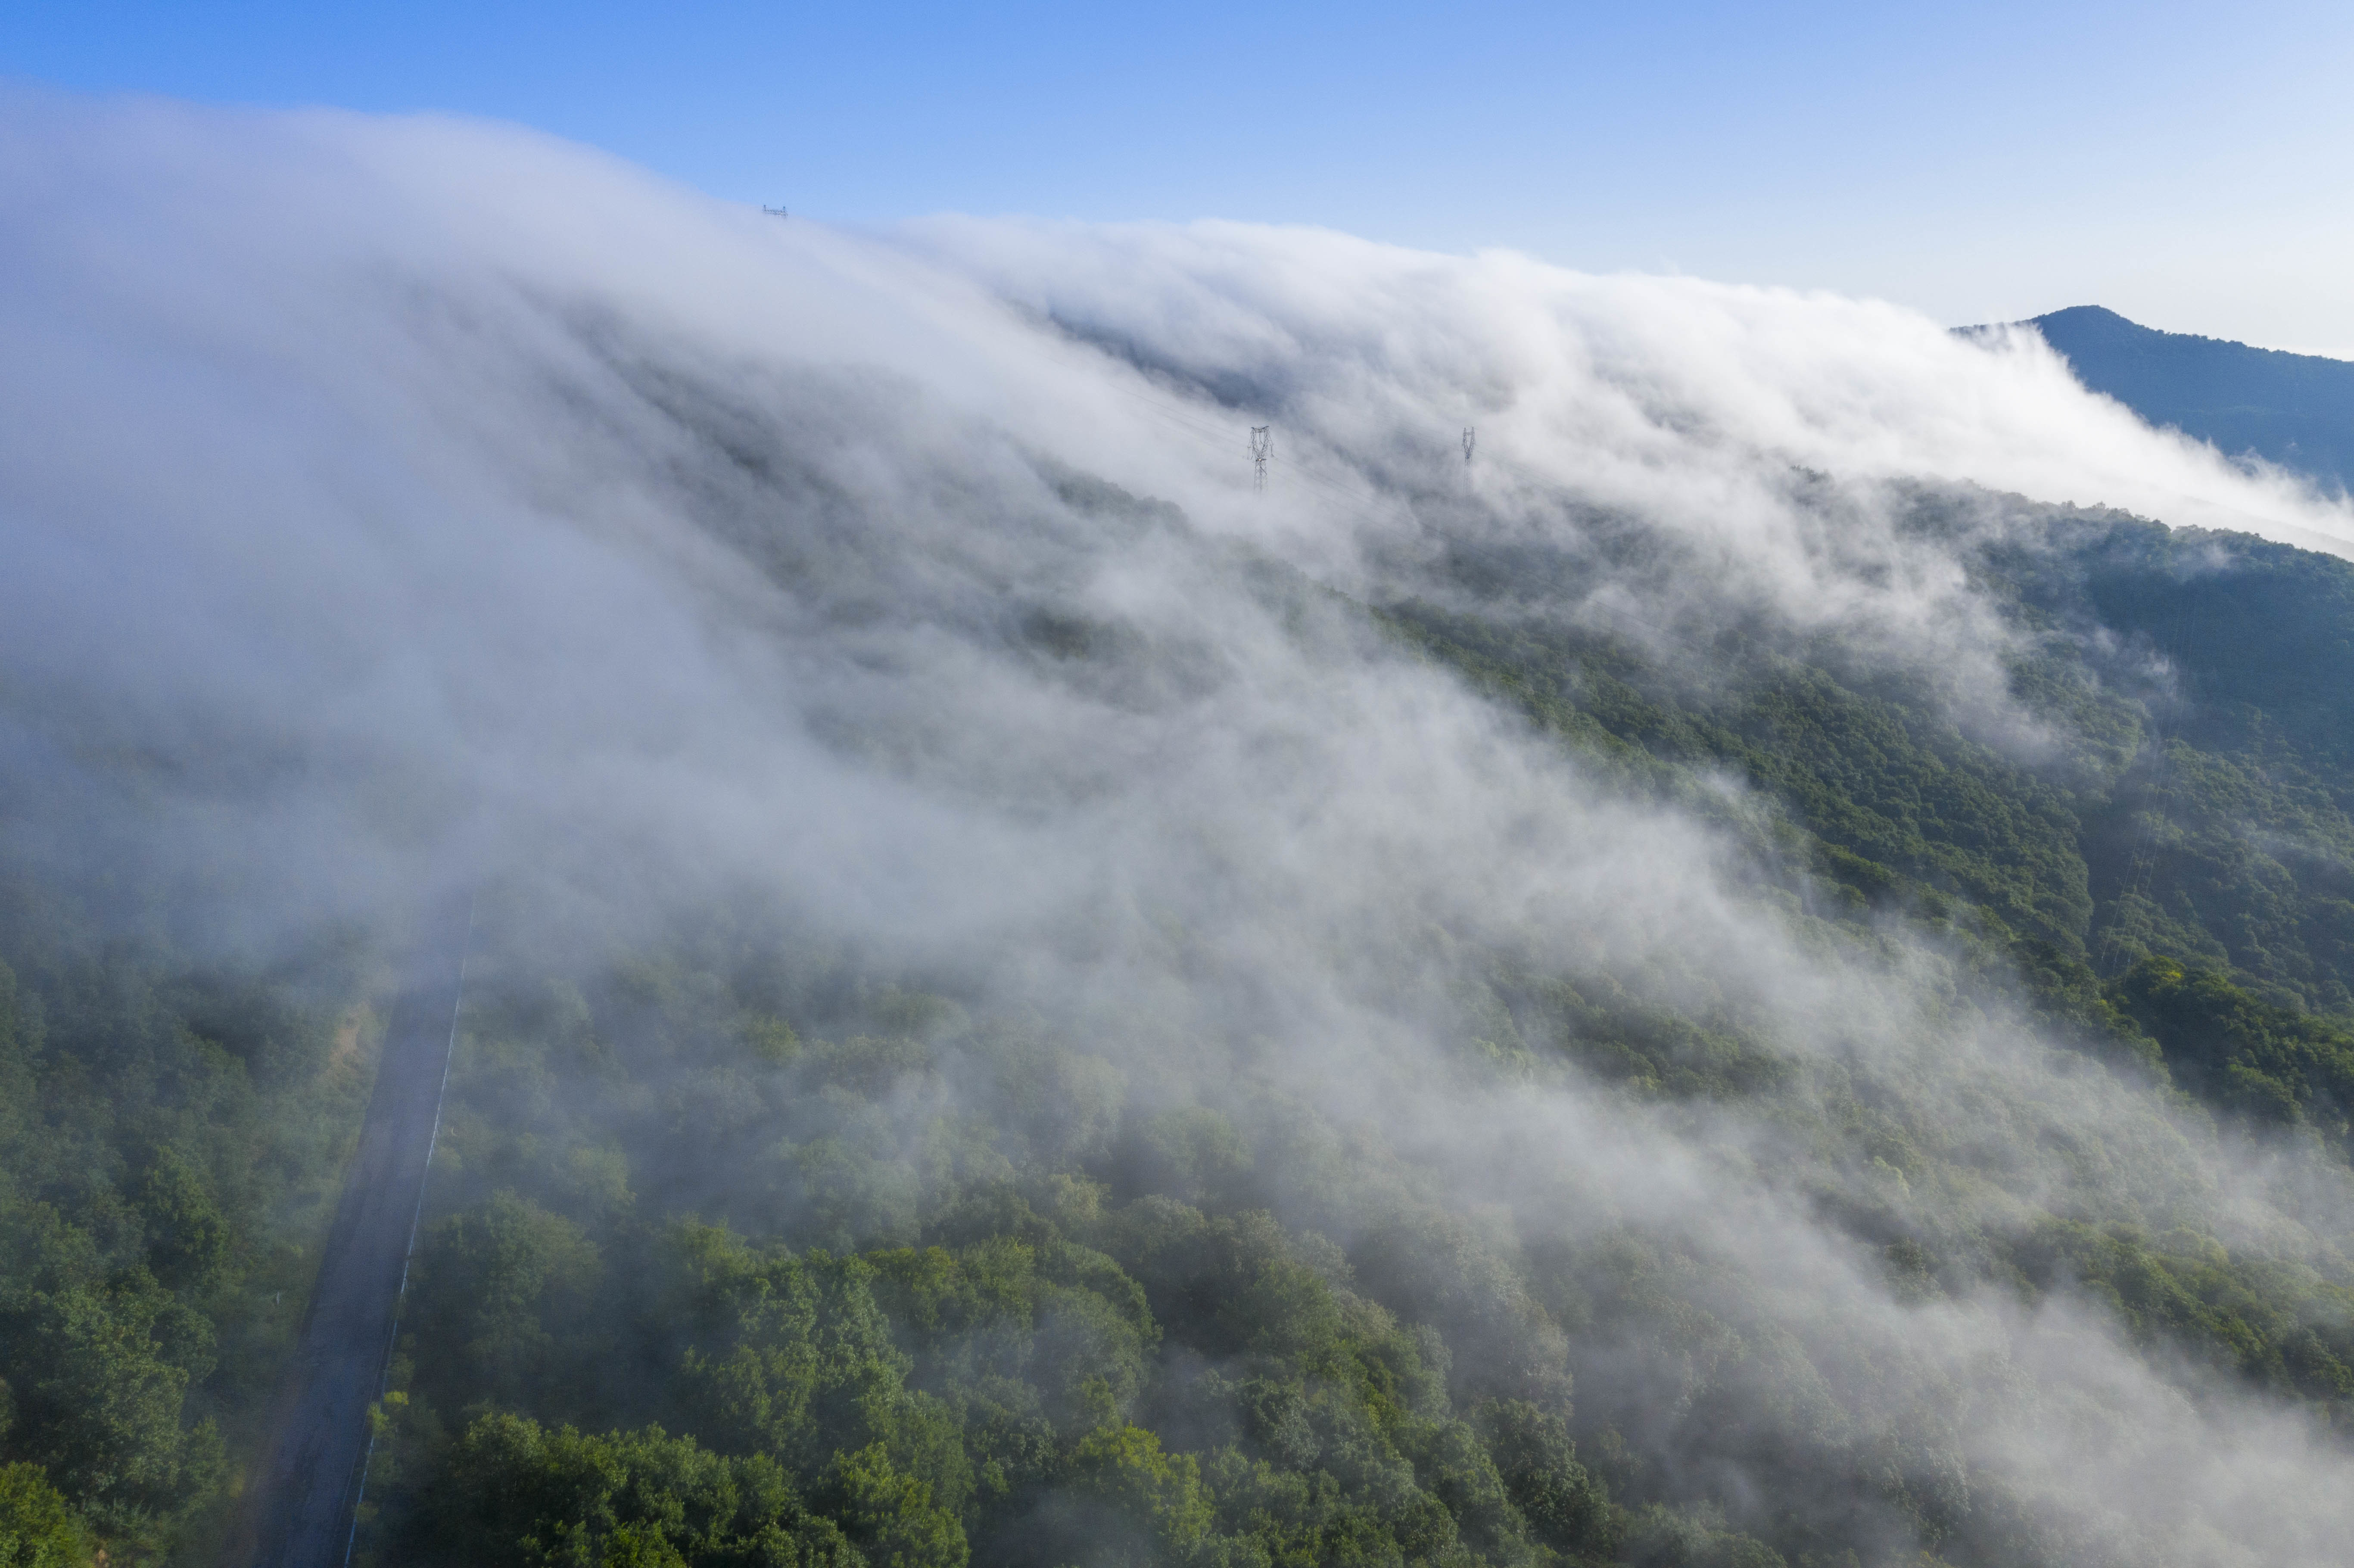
1757, 976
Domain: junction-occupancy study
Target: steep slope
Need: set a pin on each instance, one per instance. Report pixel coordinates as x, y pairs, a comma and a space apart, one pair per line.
2186, 801
2189, 795
1730, 982
2294, 409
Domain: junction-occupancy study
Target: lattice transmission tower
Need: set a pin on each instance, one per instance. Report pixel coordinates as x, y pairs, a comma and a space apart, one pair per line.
1262, 447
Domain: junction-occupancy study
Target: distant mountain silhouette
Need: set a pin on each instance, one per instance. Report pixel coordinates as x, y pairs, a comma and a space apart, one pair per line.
2295, 409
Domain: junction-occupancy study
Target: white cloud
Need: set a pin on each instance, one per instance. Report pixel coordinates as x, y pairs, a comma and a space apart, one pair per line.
408, 493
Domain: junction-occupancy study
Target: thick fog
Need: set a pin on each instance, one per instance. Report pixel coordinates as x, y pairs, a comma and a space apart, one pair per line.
397, 503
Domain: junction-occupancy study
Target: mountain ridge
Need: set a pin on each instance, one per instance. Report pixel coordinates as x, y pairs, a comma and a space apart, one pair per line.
2295, 410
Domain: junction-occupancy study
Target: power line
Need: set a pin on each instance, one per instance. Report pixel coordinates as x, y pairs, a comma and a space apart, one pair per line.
1176, 416
1353, 500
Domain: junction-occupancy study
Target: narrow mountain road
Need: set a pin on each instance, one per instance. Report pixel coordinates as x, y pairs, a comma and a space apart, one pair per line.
298, 1511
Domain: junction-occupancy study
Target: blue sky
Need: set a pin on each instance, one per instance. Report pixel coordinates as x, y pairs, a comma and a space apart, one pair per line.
2192, 166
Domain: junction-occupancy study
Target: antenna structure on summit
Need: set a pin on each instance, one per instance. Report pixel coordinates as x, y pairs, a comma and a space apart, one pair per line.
1262, 447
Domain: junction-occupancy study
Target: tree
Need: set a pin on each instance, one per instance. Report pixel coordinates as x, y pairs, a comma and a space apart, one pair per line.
39, 1528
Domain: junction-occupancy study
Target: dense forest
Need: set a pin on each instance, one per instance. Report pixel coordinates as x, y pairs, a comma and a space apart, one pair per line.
742, 1247
171, 1139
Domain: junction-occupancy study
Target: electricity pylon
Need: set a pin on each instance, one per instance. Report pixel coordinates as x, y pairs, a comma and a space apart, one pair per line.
1262, 447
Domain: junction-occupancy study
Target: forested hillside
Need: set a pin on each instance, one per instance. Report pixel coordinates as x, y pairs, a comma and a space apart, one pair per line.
1183, 897
172, 1133
968, 1291
740, 1253
2191, 796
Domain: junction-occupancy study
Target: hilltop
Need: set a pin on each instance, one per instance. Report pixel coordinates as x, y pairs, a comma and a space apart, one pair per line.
2294, 409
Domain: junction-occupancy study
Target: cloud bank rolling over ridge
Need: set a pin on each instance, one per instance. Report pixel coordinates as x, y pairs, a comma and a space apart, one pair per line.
398, 500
